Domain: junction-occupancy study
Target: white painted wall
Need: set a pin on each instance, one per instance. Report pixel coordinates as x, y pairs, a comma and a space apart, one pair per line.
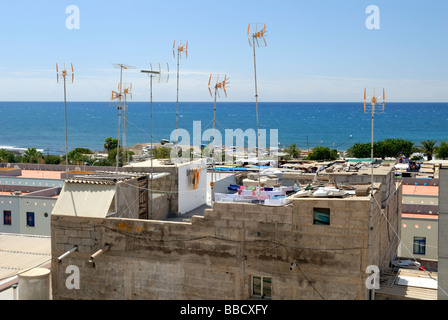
19, 206
10, 203
40, 206
189, 198
222, 181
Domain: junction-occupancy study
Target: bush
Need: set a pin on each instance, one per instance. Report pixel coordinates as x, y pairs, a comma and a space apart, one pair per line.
442, 150
6, 156
51, 159
382, 149
323, 153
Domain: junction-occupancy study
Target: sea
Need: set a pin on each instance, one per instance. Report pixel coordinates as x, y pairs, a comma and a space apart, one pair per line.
339, 125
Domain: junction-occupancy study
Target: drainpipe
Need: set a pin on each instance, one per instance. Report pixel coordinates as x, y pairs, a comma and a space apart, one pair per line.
67, 253
99, 252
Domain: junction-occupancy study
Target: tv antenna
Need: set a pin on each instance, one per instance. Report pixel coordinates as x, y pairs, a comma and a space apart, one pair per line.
218, 84
161, 76
126, 92
374, 102
257, 32
182, 47
61, 76
119, 96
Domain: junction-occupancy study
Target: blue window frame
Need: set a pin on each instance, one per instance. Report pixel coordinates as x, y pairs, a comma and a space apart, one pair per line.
30, 219
7, 218
419, 245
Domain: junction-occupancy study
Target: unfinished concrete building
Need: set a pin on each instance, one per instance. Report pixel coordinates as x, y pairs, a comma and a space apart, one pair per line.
310, 247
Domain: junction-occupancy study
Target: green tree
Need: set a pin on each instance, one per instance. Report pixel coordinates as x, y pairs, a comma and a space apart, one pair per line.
382, 149
31, 155
162, 153
79, 156
110, 144
6, 156
112, 156
293, 151
359, 150
322, 153
428, 147
442, 150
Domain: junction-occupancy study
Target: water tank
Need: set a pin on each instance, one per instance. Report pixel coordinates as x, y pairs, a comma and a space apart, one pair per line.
34, 284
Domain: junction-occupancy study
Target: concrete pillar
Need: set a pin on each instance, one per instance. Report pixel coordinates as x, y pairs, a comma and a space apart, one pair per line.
34, 284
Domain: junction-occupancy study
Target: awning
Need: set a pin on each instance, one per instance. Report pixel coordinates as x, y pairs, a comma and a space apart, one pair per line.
85, 200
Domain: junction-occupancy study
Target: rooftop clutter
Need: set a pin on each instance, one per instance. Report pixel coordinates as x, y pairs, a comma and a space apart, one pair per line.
277, 187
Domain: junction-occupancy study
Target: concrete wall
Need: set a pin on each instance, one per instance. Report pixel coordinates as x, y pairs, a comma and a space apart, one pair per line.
443, 235
10, 172
167, 185
215, 256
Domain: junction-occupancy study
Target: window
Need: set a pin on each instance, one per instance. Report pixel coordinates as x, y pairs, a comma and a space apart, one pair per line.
261, 287
30, 219
7, 218
419, 245
321, 216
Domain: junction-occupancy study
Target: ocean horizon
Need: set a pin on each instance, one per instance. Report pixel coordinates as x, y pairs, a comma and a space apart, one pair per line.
337, 125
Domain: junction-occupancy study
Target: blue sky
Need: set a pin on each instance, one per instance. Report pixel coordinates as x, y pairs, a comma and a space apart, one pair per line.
318, 50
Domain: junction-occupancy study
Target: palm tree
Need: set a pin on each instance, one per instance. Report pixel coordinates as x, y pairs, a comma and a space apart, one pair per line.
110, 144
293, 151
31, 155
428, 148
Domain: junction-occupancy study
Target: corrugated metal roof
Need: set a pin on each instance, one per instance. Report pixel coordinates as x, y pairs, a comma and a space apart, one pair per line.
392, 289
20, 252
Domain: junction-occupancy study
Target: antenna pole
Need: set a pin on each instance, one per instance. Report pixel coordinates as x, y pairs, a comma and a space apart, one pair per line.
152, 150
62, 76
119, 119
212, 184
371, 177
65, 112
152, 73
177, 97
258, 132
218, 85
373, 102
125, 129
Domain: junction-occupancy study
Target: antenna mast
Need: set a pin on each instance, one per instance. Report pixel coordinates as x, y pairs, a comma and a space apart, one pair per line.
61, 76
373, 104
126, 92
118, 96
219, 85
257, 32
182, 47
154, 73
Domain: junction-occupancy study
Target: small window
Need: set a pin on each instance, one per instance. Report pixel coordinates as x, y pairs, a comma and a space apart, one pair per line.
261, 287
7, 218
30, 219
321, 216
419, 245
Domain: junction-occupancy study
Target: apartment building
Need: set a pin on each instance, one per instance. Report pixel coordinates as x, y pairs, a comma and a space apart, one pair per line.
309, 246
